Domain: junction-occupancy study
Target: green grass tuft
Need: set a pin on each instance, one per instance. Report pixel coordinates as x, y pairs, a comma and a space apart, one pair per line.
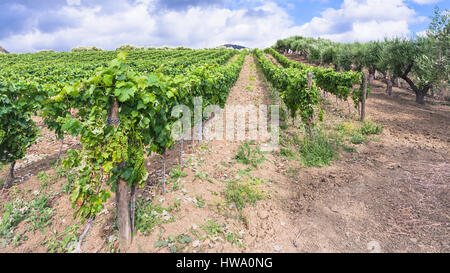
317, 153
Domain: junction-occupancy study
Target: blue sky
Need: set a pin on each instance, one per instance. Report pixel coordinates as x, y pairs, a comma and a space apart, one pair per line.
30, 25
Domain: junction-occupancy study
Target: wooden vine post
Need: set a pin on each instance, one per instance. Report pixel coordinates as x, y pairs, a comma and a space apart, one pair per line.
363, 99
10, 176
123, 212
180, 154
164, 170
310, 128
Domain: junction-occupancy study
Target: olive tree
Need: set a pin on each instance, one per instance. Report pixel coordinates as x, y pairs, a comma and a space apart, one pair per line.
371, 57
439, 34
406, 58
421, 61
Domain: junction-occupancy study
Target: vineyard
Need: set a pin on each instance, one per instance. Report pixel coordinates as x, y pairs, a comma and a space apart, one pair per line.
89, 161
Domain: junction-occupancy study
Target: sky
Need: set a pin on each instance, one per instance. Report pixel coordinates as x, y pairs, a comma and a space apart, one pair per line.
30, 25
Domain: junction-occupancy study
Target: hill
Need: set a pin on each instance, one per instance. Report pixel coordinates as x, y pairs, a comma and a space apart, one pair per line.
2, 50
232, 46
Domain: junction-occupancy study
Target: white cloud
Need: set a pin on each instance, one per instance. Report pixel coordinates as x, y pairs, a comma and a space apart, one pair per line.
198, 27
426, 2
73, 2
139, 24
363, 20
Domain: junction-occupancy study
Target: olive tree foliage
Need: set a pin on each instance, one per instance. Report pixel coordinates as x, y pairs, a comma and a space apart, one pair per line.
402, 57
358, 52
439, 34
372, 56
329, 55
345, 57
423, 62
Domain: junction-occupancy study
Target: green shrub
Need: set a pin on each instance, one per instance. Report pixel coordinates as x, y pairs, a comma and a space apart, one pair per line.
317, 153
371, 128
247, 155
357, 138
241, 193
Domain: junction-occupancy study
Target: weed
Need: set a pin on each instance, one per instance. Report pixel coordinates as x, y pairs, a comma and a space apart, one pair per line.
177, 173
293, 172
243, 192
234, 239
200, 202
177, 204
64, 242
288, 153
42, 176
37, 213
217, 203
203, 176
349, 149
357, 138
111, 244
370, 128
69, 174
346, 128
149, 215
317, 153
247, 155
227, 164
40, 214
175, 184
175, 244
212, 228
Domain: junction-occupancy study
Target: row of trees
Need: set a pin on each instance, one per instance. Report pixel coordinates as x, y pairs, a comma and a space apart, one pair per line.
421, 61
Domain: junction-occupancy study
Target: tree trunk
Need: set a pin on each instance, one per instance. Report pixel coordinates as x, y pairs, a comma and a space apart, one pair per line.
371, 78
363, 101
420, 98
123, 211
389, 85
420, 93
60, 151
10, 176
